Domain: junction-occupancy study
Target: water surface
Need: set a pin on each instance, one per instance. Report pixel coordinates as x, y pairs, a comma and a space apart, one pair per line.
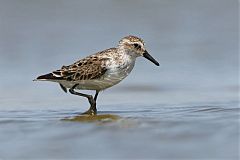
188, 108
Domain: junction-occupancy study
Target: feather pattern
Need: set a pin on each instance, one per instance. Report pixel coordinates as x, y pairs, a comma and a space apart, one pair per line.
101, 70
89, 68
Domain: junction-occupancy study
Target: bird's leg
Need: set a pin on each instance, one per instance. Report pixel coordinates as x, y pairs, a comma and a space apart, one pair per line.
96, 95
92, 110
93, 105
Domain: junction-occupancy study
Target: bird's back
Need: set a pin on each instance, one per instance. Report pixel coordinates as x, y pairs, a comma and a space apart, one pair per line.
95, 72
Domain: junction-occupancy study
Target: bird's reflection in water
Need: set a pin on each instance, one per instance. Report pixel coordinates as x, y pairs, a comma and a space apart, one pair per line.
93, 118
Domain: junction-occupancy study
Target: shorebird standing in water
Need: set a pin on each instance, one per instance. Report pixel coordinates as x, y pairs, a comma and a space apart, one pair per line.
101, 70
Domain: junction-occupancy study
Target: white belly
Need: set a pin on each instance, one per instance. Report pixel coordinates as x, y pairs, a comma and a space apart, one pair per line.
100, 84
110, 78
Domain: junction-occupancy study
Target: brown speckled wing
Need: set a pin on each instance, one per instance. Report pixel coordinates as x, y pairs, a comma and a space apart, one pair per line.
89, 68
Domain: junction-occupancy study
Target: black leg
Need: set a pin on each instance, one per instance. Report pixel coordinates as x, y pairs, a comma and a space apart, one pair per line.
96, 95
92, 110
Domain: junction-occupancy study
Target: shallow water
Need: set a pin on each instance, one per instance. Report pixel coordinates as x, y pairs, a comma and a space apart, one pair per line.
188, 108
156, 131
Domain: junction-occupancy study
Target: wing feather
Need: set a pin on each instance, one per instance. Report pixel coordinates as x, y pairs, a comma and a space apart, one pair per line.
89, 68
86, 69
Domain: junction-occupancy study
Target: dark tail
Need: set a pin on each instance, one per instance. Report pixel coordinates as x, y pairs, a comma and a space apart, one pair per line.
48, 76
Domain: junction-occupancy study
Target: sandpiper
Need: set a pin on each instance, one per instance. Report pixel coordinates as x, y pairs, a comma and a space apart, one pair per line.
101, 70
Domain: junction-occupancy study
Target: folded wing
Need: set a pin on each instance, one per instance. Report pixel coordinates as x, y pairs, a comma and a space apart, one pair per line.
90, 68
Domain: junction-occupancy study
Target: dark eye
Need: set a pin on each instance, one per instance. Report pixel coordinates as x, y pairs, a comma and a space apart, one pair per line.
136, 45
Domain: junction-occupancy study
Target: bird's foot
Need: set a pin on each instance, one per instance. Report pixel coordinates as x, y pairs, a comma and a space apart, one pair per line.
90, 112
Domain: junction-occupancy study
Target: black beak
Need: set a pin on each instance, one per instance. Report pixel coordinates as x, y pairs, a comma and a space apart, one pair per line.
150, 58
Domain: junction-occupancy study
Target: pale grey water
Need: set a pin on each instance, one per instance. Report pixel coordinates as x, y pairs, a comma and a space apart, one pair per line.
188, 108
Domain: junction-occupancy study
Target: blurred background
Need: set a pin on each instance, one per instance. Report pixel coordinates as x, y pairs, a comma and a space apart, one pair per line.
195, 41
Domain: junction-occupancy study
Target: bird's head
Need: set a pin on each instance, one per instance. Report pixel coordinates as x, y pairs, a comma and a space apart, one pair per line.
135, 46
